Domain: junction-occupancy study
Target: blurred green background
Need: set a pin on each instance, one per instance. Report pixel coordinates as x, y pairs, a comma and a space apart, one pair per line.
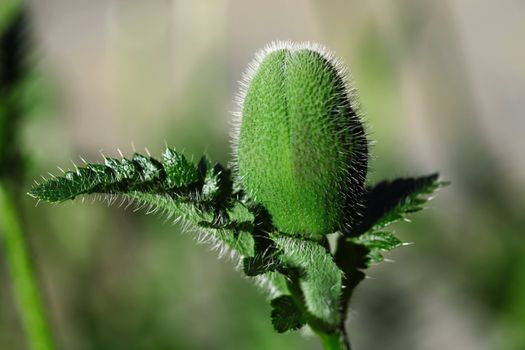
442, 84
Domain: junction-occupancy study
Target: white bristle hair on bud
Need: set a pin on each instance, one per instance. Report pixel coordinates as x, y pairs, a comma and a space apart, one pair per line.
342, 72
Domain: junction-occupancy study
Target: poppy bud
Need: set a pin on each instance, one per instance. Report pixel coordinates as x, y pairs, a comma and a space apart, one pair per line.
300, 147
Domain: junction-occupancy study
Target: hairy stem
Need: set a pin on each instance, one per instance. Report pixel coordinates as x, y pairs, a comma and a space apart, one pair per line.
330, 338
23, 279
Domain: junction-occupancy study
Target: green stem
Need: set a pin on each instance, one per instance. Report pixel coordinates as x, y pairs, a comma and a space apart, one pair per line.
23, 279
335, 341
331, 340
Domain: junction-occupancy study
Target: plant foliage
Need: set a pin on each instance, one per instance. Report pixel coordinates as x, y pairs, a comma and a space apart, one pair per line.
301, 159
312, 285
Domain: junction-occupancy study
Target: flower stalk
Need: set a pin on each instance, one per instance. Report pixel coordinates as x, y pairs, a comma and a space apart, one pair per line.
24, 282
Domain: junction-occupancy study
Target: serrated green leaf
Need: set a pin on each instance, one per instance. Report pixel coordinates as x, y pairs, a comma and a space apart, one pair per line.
320, 279
149, 169
380, 240
286, 315
122, 168
390, 201
387, 203
179, 171
115, 176
169, 186
72, 184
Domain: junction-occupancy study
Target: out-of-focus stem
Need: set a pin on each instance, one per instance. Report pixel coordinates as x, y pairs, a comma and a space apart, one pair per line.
24, 283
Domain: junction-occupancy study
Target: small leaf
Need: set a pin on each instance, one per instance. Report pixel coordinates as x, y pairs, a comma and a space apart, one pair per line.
286, 315
375, 242
389, 201
378, 240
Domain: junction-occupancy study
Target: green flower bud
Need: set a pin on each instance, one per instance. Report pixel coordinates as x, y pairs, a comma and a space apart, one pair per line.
300, 147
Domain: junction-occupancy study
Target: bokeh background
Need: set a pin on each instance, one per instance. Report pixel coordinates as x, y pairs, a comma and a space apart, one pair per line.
442, 84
